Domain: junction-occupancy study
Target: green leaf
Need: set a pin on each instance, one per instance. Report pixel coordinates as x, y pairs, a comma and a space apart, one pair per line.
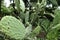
17, 3
57, 17
26, 16
22, 5
53, 33
42, 4
12, 27
28, 29
36, 31
45, 24
57, 27
54, 2
5, 10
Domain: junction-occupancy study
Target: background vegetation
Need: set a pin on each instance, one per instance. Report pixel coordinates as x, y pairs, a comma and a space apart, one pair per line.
30, 20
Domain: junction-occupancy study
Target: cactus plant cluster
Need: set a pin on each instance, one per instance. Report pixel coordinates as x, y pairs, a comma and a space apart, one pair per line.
30, 20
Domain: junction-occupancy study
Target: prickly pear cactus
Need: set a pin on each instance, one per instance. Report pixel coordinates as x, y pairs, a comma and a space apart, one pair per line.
12, 27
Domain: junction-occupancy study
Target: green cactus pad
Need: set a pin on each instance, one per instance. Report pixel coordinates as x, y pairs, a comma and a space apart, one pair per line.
12, 27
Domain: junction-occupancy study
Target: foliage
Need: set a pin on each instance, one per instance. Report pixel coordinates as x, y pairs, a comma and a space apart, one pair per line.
30, 20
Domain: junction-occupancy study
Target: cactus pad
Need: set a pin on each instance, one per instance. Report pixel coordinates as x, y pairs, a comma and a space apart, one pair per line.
12, 27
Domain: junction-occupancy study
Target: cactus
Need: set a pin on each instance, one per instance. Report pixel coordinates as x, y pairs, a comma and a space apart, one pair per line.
12, 27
